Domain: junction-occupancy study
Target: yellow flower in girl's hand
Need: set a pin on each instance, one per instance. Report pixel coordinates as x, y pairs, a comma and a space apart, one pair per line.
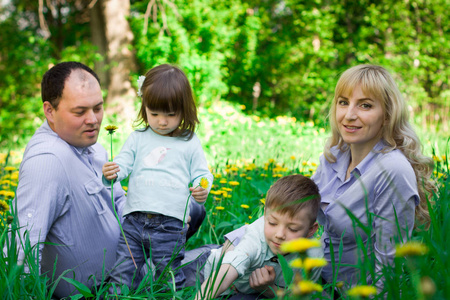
204, 183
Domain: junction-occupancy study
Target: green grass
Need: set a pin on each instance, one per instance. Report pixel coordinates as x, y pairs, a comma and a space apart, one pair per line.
246, 155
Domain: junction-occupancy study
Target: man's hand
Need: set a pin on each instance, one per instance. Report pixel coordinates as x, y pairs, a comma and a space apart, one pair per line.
199, 194
262, 279
109, 170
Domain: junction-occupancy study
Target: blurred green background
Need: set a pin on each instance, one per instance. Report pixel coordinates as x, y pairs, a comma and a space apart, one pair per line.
269, 57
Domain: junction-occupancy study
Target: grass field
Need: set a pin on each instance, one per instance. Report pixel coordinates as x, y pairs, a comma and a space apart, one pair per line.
246, 155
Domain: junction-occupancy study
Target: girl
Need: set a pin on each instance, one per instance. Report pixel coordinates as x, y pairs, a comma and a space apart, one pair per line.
162, 160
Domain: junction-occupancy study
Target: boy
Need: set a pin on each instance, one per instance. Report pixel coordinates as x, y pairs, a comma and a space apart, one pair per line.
252, 265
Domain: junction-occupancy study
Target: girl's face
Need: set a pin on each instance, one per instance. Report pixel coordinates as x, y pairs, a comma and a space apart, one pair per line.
359, 119
163, 123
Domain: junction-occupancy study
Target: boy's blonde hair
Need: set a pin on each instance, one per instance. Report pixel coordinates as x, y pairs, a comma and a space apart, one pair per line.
293, 193
376, 82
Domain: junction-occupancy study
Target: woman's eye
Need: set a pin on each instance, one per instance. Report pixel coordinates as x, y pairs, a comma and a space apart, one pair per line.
342, 102
366, 105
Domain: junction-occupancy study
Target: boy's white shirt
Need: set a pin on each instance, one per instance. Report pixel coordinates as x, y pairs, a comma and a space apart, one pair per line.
253, 253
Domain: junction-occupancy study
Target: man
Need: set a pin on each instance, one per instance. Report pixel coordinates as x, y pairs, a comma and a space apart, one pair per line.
61, 199
60, 196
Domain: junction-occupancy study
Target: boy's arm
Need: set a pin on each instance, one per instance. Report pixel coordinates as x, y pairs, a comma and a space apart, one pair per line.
221, 280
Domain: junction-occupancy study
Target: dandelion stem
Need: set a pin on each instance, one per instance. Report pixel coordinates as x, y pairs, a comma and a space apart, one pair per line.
114, 208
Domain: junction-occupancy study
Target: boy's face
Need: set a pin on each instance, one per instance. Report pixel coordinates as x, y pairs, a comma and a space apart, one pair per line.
279, 228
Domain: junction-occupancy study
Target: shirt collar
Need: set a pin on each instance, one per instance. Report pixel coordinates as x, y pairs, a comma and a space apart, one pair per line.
343, 159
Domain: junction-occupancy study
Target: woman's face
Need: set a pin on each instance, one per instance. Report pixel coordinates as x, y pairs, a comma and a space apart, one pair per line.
360, 119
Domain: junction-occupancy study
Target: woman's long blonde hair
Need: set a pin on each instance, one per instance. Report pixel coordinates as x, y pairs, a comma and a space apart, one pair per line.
397, 131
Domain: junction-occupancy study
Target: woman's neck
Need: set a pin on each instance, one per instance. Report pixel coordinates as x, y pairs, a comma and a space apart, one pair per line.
357, 155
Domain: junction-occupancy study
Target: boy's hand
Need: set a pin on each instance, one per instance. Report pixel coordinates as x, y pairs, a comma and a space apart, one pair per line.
199, 194
109, 170
262, 278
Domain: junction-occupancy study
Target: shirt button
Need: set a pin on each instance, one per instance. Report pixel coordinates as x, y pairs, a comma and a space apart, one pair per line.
30, 215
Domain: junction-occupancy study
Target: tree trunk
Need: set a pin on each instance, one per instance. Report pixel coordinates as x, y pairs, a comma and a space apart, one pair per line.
118, 36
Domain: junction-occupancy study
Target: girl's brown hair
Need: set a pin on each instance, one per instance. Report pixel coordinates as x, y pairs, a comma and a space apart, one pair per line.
167, 89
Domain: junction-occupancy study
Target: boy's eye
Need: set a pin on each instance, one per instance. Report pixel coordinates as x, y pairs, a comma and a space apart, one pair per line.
294, 229
272, 224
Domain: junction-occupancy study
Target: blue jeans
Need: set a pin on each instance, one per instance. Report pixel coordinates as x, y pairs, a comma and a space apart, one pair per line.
164, 236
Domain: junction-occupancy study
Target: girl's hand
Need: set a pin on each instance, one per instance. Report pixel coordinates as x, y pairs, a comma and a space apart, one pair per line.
109, 170
262, 278
199, 194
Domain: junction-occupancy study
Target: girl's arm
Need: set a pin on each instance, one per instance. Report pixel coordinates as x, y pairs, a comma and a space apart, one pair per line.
218, 282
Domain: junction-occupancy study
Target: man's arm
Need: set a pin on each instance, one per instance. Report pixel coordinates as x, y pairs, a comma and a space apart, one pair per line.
218, 282
41, 198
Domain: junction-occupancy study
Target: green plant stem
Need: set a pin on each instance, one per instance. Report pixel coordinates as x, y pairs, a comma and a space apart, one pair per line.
187, 203
115, 212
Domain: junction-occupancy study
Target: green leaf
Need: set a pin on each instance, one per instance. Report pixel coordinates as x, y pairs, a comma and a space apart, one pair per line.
84, 290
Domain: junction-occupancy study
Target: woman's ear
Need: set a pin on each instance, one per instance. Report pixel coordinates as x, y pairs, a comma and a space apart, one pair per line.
312, 229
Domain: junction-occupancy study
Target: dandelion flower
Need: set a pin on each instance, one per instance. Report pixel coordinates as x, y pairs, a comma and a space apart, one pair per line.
234, 169
245, 206
233, 183
227, 189
306, 287
223, 181
299, 245
220, 208
204, 182
125, 188
263, 201
292, 157
296, 263
215, 192
4, 206
111, 128
250, 217
362, 291
412, 248
10, 169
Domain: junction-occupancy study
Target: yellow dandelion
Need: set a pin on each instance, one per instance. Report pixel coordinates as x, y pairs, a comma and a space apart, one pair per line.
6, 182
411, 248
263, 201
245, 206
222, 181
15, 176
304, 163
292, 157
296, 263
271, 160
277, 175
7, 194
243, 175
233, 183
234, 169
111, 128
227, 189
313, 164
307, 175
248, 178
263, 175
299, 245
242, 106
306, 287
250, 217
4, 206
125, 188
362, 291
10, 169
204, 182
215, 192
220, 208
444, 157
312, 262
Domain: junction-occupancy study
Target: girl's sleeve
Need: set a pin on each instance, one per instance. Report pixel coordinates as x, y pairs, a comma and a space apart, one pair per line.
395, 199
127, 156
199, 166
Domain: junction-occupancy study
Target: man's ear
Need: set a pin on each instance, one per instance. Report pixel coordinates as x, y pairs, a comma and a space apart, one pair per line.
312, 229
48, 111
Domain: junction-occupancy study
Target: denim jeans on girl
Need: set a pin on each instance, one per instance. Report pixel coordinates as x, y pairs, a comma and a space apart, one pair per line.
161, 237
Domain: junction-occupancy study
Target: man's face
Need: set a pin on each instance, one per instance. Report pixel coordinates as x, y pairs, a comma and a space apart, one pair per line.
79, 115
280, 228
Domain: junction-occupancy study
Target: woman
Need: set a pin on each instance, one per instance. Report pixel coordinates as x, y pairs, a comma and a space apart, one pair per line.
372, 171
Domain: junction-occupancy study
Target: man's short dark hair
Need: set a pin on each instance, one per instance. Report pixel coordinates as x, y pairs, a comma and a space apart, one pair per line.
52, 84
